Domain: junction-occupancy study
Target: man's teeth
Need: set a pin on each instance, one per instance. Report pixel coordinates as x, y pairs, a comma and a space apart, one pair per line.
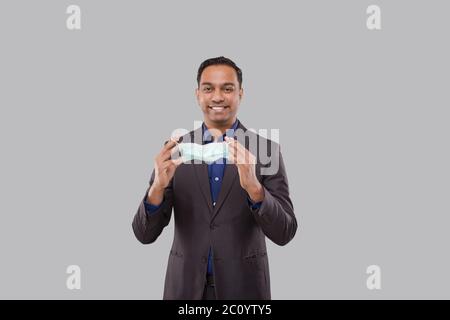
217, 108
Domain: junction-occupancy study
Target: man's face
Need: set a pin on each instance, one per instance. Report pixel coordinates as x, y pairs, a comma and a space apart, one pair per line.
219, 95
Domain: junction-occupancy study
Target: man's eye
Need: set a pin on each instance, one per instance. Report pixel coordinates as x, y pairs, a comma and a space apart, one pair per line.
207, 89
229, 89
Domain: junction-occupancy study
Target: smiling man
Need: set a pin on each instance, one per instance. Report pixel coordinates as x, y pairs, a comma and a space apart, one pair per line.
223, 210
219, 94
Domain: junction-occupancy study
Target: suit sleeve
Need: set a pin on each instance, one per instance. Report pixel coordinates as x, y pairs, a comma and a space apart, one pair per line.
147, 226
276, 213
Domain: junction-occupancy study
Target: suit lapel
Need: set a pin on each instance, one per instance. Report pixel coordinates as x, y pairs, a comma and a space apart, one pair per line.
201, 173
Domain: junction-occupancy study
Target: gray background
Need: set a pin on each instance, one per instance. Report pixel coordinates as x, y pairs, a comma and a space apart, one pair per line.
363, 118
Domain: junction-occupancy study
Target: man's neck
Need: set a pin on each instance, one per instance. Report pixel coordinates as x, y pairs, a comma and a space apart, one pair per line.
218, 130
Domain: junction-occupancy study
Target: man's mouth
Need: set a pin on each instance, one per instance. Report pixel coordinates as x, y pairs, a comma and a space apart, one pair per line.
218, 108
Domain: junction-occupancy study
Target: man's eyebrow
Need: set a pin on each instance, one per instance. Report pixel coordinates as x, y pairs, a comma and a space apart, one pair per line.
224, 84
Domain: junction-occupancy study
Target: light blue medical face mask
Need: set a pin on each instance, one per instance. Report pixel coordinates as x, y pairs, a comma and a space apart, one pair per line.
208, 153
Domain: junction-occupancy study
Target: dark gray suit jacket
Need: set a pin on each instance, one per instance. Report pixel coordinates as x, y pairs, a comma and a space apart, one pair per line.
235, 232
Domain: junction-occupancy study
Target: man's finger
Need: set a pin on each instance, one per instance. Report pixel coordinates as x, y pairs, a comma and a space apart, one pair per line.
169, 144
240, 147
166, 164
177, 162
236, 145
164, 156
241, 154
167, 153
244, 154
231, 155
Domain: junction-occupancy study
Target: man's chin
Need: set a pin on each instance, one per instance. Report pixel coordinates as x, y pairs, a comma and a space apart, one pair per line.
219, 119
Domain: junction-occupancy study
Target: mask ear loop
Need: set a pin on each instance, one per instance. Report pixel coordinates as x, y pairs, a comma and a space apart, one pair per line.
175, 139
228, 141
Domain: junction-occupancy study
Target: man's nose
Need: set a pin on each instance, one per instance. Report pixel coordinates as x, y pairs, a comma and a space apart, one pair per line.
217, 96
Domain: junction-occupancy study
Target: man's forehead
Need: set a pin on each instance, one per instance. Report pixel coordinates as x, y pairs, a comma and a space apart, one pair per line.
219, 75
226, 83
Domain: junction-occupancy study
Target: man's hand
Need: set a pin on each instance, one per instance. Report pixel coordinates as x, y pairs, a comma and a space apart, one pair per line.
164, 171
246, 165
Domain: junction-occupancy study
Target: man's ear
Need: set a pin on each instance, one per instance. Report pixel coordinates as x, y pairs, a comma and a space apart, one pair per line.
241, 92
196, 94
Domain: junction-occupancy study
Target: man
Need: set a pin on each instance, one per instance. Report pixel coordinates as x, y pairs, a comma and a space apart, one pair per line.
222, 210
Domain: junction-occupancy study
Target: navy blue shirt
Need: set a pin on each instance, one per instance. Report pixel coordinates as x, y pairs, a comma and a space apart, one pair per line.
215, 174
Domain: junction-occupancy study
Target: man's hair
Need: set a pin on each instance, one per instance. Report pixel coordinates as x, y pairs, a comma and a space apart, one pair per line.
219, 61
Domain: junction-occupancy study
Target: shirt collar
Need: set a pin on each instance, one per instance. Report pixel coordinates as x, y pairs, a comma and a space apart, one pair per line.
207, 137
